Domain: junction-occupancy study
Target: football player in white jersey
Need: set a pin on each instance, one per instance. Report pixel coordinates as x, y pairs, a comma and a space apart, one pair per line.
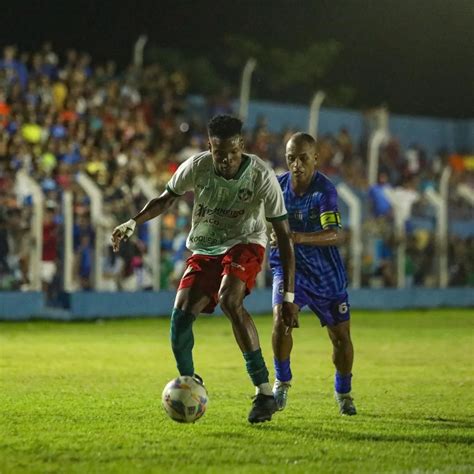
234, 192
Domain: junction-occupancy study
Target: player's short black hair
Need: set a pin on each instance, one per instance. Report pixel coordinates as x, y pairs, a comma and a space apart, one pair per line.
304, 137
224, 126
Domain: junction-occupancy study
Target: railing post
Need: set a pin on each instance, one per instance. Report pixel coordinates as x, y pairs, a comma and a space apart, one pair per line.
444, 226
96, 198
444, 183
355, 224
441, 206
400, 230
464, 191
245, 88
68, 241
154, 248
36, 250
138, 49
377, 138
314, 109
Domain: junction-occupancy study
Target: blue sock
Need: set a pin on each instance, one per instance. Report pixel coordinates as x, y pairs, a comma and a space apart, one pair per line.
282, 370
342, 383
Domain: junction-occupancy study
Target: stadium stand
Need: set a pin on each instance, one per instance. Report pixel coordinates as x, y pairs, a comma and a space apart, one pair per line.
63, 116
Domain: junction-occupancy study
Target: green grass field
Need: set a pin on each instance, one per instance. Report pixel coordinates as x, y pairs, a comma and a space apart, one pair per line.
85, 398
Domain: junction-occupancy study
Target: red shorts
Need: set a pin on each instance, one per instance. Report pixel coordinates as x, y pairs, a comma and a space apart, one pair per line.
205, 272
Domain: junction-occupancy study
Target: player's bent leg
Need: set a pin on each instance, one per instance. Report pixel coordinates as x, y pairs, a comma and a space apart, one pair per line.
182, 340
282, 338
282, 343
231, 296
343, 350
188, 304
343, 357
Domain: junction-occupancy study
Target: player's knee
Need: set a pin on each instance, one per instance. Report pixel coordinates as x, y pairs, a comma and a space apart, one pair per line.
344, 341
230, 305
188, 306
340, 338
190, 301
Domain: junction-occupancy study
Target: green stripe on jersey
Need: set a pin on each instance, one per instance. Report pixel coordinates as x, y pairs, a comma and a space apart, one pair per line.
280, 218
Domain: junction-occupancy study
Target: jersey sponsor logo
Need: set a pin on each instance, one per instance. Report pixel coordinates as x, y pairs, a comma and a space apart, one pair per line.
203, 239
212, 221
244, 194
203, 211
237, 265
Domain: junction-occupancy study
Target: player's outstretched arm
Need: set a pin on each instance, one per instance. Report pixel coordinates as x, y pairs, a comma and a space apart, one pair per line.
287, 257
155, 207
324, 238
152, 209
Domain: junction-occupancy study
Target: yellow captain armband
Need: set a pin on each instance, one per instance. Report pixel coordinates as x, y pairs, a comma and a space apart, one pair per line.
330, 219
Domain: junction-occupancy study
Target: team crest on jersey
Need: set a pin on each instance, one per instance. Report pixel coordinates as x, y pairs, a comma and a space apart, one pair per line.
244, 194
298, 215
313, 214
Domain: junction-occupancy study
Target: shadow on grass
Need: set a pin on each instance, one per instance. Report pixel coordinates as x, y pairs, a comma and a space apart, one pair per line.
334, 435
423, 430
227, 434
439, 422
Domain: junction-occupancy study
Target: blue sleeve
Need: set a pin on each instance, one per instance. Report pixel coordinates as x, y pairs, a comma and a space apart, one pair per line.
328, 210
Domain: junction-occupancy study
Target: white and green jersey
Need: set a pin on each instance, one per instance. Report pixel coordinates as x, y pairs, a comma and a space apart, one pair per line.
228, 212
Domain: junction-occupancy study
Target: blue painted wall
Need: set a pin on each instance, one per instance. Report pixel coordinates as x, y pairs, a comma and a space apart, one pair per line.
431, 133
91, 305
16, 306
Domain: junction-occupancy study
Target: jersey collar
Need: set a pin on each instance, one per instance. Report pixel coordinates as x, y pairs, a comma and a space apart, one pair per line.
308, 190
243, 166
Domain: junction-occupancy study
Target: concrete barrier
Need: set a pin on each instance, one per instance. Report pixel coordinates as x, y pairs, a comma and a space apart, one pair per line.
20, 306
92, 305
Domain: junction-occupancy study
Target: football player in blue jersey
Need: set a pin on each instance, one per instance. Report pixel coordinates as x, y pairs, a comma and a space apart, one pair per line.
321, 282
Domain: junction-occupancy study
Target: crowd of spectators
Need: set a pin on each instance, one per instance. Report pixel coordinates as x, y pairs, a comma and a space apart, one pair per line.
60, 116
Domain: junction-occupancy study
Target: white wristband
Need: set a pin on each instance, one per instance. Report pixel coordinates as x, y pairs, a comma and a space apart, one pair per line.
288, 297
128, 228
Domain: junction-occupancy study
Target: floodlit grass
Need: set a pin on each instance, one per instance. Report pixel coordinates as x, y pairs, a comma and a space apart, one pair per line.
85, 398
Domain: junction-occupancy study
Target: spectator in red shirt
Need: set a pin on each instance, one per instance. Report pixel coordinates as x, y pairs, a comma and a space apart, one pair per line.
50, 246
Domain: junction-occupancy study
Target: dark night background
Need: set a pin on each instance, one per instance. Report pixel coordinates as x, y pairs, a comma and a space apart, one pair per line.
414, 55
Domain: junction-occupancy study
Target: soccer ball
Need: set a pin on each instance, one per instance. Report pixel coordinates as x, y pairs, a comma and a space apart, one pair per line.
184, 399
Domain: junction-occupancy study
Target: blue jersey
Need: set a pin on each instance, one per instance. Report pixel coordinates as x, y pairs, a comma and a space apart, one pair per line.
320, 269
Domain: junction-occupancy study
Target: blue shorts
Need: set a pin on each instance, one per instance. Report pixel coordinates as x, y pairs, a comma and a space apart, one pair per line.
330, 311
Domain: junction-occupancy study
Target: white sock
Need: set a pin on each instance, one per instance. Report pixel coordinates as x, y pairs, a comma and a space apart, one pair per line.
340, 396
264, 388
